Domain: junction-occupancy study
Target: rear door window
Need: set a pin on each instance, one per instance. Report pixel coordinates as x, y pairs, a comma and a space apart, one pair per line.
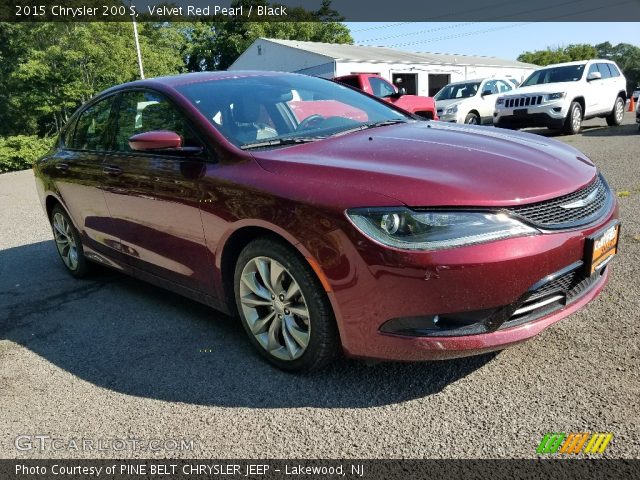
380, 87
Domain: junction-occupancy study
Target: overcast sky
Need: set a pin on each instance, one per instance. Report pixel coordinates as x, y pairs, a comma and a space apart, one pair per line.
505, 40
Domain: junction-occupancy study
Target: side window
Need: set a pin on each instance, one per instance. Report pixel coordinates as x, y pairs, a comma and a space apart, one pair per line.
613, 69
351, 81
67, 138
604, 70
503, 86
91, 129
380, 87
491, 85
144, 111
593, 69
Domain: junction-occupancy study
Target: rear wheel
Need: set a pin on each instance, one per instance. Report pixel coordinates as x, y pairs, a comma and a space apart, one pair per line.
573, 122
68, 243
617, 114
283, 307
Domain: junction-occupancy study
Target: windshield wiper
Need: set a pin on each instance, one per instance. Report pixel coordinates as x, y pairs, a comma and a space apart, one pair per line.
366, 126
279, 141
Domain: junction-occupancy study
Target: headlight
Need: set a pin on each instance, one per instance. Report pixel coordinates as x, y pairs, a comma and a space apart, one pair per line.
556, 96
500, 101
451, 110
410, 230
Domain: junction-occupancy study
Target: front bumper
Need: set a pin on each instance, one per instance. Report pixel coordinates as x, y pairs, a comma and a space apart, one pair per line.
373, 285
547, 114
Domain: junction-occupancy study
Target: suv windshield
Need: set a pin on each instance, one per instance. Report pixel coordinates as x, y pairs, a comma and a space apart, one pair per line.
269, 110
570, 73
458, 90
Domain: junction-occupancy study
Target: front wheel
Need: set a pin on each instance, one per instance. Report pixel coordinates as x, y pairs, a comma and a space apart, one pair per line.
68, 243
472, 119
573, 122
283, 307
617, 114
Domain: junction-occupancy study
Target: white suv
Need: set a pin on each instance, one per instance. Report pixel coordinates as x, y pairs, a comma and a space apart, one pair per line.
470, 101
562, 96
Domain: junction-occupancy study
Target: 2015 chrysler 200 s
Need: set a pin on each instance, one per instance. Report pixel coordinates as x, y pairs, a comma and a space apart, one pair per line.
328, 219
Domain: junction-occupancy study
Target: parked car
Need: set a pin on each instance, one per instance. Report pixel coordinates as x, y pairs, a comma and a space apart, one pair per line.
562, 96
385, 237
636, 95
376, 85
470, 101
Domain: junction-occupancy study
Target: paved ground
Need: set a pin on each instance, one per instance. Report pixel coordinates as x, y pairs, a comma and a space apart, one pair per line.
114, 358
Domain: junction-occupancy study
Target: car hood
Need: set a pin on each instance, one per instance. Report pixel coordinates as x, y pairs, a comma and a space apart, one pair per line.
445, 103
437, 164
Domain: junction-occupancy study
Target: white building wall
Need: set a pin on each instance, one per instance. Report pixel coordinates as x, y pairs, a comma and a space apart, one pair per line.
264, 55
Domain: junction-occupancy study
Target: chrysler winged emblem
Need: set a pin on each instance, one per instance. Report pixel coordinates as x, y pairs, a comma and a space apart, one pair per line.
582, 202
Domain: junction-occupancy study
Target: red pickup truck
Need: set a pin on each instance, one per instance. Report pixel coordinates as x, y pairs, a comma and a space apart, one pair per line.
378, 86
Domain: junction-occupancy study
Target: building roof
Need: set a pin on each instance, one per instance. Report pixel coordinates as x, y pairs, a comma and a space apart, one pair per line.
362, 53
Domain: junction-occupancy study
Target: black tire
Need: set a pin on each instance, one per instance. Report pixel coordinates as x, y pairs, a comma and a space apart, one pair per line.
76, 264
472, 119
617, 113
573, 122
323, 341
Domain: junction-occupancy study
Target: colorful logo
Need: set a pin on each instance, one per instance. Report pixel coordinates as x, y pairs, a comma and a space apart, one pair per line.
594, 443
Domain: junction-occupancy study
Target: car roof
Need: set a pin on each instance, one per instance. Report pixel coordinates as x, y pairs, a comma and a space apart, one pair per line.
173, 81
477, 80
577, 62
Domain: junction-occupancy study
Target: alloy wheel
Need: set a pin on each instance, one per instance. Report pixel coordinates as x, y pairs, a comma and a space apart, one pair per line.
275, 308
619, 110
65, 241
576, 118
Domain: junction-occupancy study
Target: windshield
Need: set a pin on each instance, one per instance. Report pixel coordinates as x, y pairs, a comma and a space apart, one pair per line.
261, 110
458, 90
570, 73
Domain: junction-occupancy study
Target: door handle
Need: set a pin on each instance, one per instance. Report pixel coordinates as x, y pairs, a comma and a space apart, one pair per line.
63, 167
112, 170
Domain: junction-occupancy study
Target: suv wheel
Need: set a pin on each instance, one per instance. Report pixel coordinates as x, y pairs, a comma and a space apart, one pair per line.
283, 307
68, 243
573, 122
617, 114
472, 119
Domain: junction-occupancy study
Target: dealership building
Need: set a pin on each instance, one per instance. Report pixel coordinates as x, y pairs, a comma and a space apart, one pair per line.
419, 73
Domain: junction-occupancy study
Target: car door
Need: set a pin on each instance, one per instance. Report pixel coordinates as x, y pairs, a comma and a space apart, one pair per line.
154, 197
594, 92
487, 102
609, 88
78, 175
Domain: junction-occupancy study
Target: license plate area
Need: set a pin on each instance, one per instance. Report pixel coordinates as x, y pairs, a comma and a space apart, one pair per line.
601, 247
520, 112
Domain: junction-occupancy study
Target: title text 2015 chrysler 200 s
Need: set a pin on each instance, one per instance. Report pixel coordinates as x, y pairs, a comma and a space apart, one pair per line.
328, 219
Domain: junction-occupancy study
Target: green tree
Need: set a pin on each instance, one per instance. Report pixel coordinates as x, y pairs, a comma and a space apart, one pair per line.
216, 45
550, 55
58, 66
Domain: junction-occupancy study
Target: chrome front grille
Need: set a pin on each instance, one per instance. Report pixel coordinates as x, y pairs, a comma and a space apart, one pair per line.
528, 101
577, 208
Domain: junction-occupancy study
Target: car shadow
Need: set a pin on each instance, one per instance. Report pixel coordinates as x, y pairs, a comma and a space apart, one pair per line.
131, 337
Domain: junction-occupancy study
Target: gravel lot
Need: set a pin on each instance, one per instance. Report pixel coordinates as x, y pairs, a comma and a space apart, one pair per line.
113, 358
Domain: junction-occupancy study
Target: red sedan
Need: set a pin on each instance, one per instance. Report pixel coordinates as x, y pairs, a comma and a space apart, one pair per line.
328, 220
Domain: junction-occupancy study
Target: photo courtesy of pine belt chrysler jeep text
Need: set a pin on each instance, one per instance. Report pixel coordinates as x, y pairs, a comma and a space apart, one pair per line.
329, 220
562, 96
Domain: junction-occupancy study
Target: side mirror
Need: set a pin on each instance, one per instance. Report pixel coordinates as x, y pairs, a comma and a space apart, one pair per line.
485, 93
594, 76
155, 140
160, 141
